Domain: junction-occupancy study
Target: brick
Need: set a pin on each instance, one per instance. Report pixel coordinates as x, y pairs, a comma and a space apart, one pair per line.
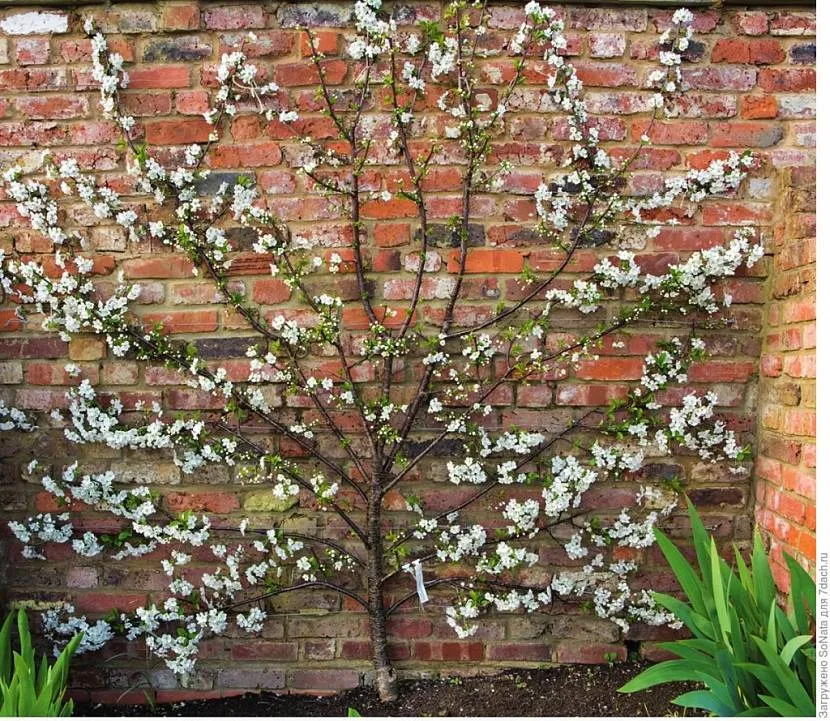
326, 43
35, 23
740, 51
752, 23
319, 650
86, 348
787, 80
32, 51
176, 49
590, 653
406, 628
343, 626
177, 132
9, 321
793, 23
395, 208
448, 650
158, 267
803, 53
180, 17
147, 104
160, 76
183, 321
106, 602
609, 369
238, 155
736, 214
235, 17
392, 234
52, 107
267, 44
720, 78
606, 45
607, 75
264, 651
607, 18
307, 14
211, 502
325, 679
299, 74
742, 135
34, 79
758, 107
248, 677
688, 132
486, 260
534, 395
519, 652
192, 102
11, 372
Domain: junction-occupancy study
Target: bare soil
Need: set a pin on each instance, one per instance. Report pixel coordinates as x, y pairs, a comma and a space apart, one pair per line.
574, 690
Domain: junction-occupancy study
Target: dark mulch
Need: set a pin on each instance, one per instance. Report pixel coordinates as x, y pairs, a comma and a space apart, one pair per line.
575, 690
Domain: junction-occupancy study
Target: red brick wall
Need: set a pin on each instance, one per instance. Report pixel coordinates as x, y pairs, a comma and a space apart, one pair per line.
752, 84
785, 469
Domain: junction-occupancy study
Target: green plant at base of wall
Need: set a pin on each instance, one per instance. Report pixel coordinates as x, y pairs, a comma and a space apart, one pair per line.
27, 689
753, 658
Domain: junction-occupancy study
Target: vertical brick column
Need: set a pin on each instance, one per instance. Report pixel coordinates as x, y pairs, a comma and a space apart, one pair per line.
785, 474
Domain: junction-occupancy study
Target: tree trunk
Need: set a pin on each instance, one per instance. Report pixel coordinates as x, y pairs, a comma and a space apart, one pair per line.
386, 681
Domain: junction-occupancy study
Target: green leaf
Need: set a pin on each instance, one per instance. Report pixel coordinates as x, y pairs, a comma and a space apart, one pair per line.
720, 594
6, 650
765, 593
803, 594
792, 646
782, 708
790, 682
705, 700
701, 540
688, 579
663, 672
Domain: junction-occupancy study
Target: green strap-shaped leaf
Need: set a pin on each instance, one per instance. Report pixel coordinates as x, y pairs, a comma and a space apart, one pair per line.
721, 595
26, 650
792, 646
663, 672
803, 594
782, 708
762, 576
697, 624
790, 682
704, 700
701, 539
683, 571
6, 650
757, 711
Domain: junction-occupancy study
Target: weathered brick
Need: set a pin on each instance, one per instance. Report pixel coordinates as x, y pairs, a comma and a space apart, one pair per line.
35, 23
739, 51
32, 51
180, 17
327, 679
787, 80
176, 49
170, 76
177, 132
248, 677
234, 17
52, 107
